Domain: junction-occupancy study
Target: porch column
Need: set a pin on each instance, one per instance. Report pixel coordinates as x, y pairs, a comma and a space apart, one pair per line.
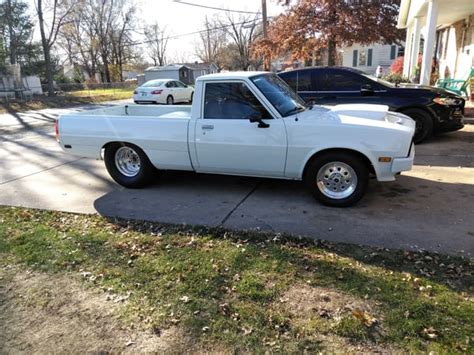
408, 45
431, 21
416, 47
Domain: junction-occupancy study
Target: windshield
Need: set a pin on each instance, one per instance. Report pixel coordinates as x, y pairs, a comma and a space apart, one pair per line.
153, 83
281, 96
378, 80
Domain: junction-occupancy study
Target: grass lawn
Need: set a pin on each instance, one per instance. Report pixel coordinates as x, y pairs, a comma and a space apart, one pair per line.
74, 98
237, 291
118, 93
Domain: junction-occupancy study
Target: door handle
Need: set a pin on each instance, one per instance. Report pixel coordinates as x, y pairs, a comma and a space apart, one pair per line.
207, 126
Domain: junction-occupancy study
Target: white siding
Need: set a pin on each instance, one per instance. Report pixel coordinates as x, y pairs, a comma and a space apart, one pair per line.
380, 56
161, 74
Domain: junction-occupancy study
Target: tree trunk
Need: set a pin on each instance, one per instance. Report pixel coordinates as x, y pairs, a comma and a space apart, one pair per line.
331, 53
46, 50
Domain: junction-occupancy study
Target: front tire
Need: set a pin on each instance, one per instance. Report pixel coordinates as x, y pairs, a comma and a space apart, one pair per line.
191, 98
128, 165
337, 179
424, 124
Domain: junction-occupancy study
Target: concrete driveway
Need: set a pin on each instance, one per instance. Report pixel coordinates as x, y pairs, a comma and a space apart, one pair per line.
431, 207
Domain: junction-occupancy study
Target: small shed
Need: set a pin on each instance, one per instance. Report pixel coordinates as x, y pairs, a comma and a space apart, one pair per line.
185, 72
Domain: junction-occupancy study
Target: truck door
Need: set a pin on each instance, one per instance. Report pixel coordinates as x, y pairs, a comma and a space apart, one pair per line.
227, 142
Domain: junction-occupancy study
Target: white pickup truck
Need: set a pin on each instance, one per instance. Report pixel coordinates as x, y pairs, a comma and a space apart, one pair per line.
252, 124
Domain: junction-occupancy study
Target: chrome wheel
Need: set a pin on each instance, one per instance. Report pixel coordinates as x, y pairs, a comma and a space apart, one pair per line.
336, 180
127, 161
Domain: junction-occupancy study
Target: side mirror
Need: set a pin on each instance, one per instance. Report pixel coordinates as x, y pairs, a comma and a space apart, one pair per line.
367, 90
257, 117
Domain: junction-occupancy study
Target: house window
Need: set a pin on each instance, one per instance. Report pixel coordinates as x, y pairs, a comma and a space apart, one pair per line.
393, 52
363, 58
354, 57
369, 57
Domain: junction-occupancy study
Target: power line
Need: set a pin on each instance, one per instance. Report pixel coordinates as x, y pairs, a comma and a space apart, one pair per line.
215, 8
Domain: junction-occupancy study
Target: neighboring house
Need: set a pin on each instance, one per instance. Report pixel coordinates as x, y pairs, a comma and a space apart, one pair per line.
185, 72
368, 58
447, 30
365, 58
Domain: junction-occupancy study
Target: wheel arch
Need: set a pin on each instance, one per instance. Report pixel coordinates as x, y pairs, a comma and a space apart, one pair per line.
426, 109
357, 153
121, 143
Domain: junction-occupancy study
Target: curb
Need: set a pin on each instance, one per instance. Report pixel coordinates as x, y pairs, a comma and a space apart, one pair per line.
468, 120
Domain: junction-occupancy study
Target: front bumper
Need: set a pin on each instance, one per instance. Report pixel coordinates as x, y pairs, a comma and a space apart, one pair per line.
453, 124
403, 164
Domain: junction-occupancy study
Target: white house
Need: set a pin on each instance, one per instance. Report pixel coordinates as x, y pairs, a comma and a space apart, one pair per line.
368, 58
447, 30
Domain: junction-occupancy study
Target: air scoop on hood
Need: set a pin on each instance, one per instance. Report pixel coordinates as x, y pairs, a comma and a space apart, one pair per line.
371, 112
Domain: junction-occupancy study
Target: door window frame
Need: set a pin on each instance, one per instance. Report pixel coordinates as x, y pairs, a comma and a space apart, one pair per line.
258, 95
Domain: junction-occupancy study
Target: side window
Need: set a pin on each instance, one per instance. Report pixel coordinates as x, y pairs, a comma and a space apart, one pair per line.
170, 84
322, 82
179, 84
345, 82
291, 79
304, 80
231, 101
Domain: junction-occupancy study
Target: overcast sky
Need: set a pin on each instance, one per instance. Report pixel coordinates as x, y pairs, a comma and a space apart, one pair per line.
181, 19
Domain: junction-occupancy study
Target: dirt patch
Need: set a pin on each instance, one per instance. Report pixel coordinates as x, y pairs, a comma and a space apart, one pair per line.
305, 302
325, 308
42, 313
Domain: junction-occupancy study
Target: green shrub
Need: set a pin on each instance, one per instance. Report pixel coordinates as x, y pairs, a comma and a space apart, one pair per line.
395, 78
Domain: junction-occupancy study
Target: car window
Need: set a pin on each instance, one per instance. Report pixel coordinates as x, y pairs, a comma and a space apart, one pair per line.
179, 84
303, 80
345, 81
290, 78
231, 101
170, 84
153, 83
321, 81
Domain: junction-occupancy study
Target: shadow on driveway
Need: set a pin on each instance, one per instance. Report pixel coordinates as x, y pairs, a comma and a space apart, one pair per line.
412, 213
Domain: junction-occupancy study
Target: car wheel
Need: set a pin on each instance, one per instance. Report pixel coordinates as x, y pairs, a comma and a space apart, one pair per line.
424, 124
191, 99
128, 165
337, 179
170, 100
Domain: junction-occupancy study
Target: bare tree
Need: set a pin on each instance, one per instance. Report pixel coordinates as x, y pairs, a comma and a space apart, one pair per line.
77, 38
243, 31
212, 42
58, 11
157, 41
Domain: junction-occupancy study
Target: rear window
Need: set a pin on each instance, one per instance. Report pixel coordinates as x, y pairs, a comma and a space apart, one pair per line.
153, 83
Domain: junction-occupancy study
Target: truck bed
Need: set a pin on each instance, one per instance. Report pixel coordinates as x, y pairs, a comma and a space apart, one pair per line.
161, 131
153, 111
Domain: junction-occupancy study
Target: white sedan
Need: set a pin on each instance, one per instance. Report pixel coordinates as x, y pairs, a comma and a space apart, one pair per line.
163, 91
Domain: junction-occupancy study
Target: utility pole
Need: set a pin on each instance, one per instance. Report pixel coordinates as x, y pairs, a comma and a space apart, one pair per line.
266, 59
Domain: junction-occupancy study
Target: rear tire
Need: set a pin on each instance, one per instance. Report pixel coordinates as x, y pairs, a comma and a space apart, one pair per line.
424, 124
170, 100
337, 179
128, 165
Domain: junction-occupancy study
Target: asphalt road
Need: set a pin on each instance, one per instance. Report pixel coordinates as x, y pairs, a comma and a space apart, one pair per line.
430, 207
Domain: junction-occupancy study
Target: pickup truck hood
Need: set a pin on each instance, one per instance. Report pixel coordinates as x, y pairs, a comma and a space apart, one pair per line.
371, 112
359, 114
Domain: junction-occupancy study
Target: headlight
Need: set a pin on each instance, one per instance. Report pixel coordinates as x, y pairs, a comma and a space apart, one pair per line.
446, 101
